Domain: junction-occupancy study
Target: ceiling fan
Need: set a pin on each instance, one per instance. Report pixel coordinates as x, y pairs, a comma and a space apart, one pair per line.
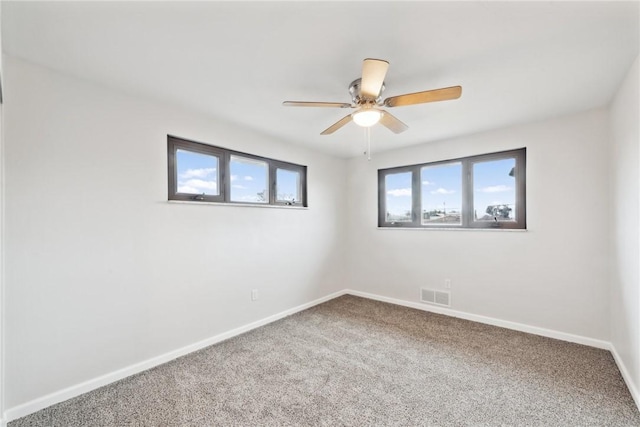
365, 96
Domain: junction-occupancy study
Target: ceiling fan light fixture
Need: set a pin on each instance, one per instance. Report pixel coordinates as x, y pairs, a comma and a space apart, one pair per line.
366, 99
367, 117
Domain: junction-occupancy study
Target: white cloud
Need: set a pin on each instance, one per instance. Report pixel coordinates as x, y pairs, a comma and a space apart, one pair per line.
234, 177
241, 187
428, 183
198, 185
248, 178
400, 192
495, 189
197, 173
442, 191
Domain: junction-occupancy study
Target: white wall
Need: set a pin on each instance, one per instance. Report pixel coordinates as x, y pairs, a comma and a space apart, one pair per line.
102, 272
2, 300
625, 214
552, 276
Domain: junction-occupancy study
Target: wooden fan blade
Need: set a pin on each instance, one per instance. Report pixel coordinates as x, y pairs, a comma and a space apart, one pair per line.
315, 104
373, 73
392, 123
337, 125
444, 94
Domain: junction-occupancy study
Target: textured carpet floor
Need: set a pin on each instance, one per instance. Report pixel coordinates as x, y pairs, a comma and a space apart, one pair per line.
357, 362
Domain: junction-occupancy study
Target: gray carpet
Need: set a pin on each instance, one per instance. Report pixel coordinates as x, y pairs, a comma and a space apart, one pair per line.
357, 362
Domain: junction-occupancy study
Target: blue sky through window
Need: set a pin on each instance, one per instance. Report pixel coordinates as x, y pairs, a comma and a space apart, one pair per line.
398, 187
288, 185
442, 188
197, 173
249, 179
493, 186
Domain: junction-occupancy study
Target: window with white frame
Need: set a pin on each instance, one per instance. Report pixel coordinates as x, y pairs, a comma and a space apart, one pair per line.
485, 191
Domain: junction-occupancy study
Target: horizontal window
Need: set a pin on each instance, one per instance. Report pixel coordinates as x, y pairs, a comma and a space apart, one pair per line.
486, 191
201, 172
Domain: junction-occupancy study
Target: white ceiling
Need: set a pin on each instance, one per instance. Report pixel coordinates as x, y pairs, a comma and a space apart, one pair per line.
237, 61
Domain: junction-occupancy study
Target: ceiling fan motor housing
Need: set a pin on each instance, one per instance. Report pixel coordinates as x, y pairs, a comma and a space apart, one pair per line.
358, 99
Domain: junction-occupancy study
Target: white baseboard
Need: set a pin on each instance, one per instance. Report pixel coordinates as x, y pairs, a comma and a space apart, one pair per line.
633, 389
592, 342
87, 386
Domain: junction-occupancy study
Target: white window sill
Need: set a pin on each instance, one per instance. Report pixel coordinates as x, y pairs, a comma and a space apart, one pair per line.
242, 205
517, 230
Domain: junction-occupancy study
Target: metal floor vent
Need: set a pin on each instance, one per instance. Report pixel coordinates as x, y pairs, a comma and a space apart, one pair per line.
433, 296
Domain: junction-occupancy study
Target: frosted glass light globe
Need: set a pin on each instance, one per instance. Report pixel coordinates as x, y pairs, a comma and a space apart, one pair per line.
367, 117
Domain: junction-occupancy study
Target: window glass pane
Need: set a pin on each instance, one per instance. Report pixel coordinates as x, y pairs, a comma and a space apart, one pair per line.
287, 186
398, 200
249, 180
197, 173
494, 193
441, 194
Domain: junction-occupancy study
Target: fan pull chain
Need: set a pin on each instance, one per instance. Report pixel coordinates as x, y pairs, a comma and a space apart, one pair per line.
367, 133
